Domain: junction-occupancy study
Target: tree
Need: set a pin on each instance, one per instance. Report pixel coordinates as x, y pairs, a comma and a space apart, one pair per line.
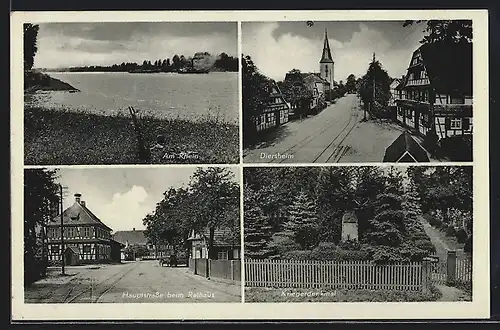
30, 34
176, 62
303, 221
374, 89
351, 84
255, 97
216, 195
334, 195
452, 31
257, 228
41, 204
296, 91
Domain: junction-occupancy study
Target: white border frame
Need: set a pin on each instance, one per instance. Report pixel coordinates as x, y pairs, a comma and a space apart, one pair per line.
478, 308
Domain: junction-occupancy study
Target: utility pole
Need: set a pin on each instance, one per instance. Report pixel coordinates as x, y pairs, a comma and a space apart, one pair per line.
61, 195
373, 89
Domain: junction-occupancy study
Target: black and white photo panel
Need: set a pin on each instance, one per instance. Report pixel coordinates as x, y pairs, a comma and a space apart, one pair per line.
132, 235
131, 93
358, 234
357, 91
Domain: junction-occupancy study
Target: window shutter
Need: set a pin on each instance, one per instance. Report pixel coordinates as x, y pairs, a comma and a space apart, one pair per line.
465, 123
447, 123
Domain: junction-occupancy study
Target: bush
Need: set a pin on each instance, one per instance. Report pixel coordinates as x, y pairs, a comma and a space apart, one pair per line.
461, 236
457, 148
425, 245
431, 142
297, 255
450, 231
434, 221
419, 235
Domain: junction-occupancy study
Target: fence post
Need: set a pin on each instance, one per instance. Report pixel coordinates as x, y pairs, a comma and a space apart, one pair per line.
232, 270
451, 266
207, 270
426, 276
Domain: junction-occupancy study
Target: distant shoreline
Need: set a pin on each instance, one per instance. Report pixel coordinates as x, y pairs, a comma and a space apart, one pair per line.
37, 81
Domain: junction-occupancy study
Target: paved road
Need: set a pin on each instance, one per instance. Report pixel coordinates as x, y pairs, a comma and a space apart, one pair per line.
316, 139
140, 281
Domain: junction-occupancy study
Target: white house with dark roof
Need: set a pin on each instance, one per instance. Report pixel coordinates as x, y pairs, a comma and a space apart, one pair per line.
226, 244
84, 234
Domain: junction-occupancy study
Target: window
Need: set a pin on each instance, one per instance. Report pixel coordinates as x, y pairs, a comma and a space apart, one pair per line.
457, 99
409, 113
86, 248
222, 255
86, 232
456, 123
55, 249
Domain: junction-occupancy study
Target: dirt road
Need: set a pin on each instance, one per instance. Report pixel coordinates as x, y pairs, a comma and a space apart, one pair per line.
140, 281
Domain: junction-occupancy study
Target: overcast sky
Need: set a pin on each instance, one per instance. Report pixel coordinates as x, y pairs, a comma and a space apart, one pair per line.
78, 44
278, 47
122, 197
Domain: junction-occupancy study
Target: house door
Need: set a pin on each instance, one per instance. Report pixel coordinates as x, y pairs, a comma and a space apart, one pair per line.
68, 258
417, 120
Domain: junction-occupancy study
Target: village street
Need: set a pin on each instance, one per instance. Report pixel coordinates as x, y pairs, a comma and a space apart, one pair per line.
334, 135
135, 282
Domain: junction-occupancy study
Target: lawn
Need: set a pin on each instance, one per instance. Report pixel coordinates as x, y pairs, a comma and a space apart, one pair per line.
62, 137
319, 295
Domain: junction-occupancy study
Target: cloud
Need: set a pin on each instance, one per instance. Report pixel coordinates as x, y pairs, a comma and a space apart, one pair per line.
276, 56
126, 210
64, 45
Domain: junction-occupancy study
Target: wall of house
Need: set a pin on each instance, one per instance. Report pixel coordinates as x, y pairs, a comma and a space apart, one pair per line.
443, 130
87, 251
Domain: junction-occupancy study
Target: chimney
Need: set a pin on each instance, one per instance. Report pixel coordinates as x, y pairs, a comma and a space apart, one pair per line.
82, 203
133, 229
77, 198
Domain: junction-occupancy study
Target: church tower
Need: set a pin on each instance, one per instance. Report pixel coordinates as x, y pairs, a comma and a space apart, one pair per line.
326, 62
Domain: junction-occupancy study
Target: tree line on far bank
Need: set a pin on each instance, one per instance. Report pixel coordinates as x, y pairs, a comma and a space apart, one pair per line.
296, 213
223, 62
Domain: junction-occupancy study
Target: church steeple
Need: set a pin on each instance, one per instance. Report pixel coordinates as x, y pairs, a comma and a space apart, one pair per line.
327, 55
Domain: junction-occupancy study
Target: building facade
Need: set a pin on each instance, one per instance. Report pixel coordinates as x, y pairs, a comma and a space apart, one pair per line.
226, 245
84, 234
436, 92
276, 112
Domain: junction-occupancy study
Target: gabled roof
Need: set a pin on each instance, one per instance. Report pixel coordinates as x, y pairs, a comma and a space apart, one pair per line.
77, 214
395, 83
222, 237
349, 217
133, 237
403, 147
448, 65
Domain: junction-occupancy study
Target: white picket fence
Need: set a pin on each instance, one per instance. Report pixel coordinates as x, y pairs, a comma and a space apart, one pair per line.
334, 275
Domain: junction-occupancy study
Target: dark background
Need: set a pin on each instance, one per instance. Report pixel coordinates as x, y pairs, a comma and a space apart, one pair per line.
494, 56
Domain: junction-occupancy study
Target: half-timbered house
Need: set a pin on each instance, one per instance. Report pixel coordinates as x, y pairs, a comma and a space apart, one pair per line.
436, 92
83, 234
276, 111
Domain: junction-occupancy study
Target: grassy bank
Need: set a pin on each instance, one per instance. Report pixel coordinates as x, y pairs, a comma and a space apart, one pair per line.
60, 137
318, 295
36, 81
